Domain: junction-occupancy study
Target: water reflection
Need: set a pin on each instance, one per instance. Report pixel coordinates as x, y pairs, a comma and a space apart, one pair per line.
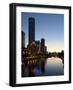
43, 67
54, 66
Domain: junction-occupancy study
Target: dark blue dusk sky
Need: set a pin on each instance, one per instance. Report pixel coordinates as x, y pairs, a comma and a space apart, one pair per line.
47, 26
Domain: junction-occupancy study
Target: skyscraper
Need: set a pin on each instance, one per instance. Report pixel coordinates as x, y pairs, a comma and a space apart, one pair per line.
23, 39
31, 30
42, 45
42, 42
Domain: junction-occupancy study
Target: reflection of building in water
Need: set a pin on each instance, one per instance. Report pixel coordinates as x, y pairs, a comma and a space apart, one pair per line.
33, 68
35, 54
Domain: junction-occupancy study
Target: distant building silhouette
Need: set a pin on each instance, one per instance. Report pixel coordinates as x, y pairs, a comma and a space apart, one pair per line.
37, 43
42, 45
31, 30
23, 39
34, 47
35, 50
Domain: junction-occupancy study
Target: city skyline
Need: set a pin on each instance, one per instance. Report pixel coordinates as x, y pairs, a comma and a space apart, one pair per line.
48, 26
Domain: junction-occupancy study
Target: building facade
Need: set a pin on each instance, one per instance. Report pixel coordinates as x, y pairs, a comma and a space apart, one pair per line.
42, 45
23, 39
31, 30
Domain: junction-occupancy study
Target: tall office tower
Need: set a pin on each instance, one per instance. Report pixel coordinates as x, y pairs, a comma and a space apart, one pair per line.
42, 45
31, 30
23, 39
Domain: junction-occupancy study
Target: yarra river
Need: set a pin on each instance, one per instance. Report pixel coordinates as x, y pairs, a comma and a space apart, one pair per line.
43, 67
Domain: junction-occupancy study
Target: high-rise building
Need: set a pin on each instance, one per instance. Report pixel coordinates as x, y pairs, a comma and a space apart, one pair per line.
23, 39
43, 42
38, 45
42, 45
31, 30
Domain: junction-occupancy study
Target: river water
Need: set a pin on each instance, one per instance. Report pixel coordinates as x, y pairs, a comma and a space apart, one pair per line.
54, 66
44, 67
